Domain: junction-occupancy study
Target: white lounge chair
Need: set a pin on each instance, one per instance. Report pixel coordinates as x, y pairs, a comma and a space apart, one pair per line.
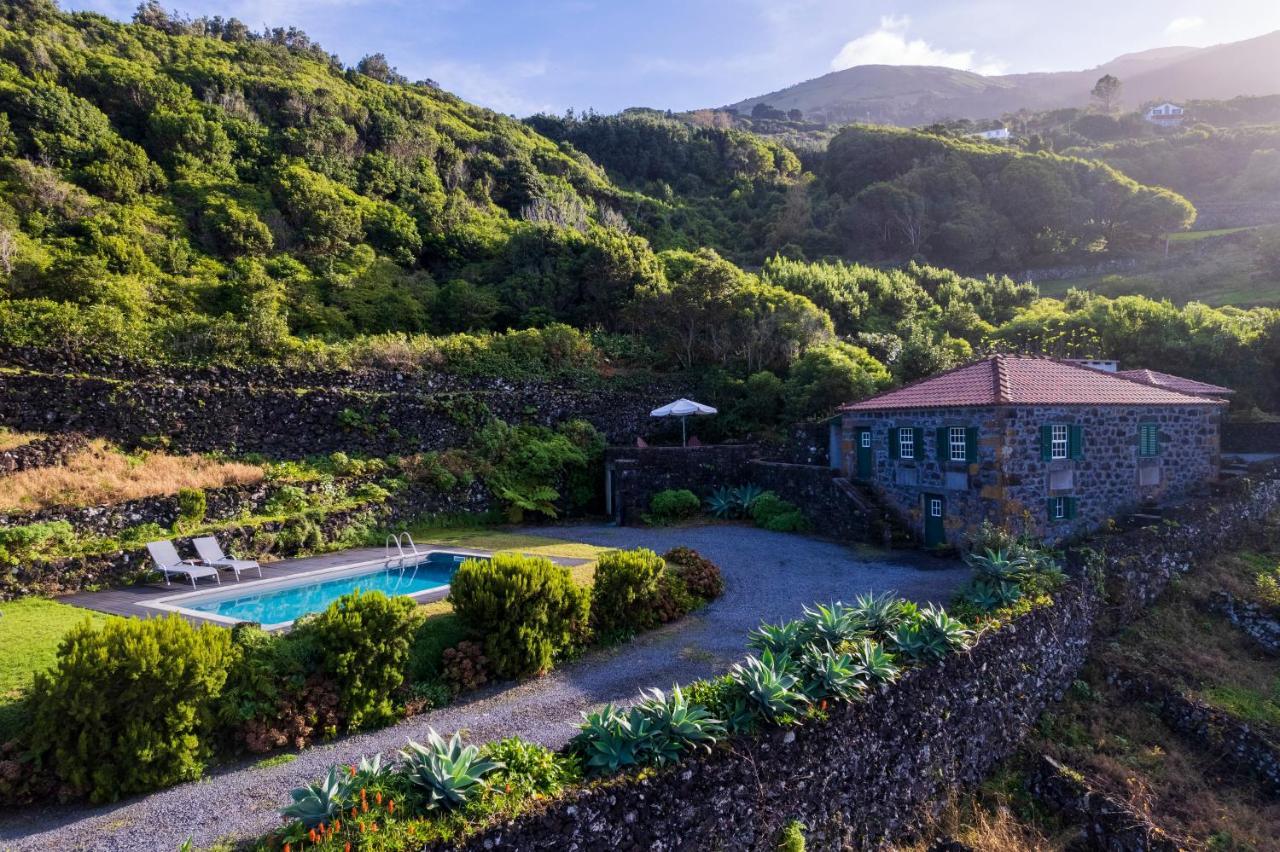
168, 562
211, 554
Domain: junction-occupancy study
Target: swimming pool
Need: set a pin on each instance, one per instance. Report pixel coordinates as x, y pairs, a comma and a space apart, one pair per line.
277, 603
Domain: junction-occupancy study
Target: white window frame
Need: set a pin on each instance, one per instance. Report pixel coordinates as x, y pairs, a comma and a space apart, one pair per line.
935, 507
906, 444
1059, 441
865, 439
958, 442
1059, 508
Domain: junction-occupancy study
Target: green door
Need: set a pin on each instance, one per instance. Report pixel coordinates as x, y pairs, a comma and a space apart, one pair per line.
934, 508
863, 441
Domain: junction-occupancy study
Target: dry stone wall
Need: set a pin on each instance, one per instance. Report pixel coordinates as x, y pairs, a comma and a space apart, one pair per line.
42, 452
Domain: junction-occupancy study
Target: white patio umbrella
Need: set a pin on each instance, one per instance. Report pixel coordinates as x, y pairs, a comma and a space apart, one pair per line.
683, 408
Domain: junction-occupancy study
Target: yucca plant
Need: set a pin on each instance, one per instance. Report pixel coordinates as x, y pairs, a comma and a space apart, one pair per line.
829, 625
322, 801
830, 675
450, 773
722, 504
785, 638
675, 726
769, 684
873, 663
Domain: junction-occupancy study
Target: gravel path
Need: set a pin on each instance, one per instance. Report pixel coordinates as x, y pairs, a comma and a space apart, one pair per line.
769, 577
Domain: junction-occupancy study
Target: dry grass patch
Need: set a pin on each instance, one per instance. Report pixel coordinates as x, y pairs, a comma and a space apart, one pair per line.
10, 438
103, 474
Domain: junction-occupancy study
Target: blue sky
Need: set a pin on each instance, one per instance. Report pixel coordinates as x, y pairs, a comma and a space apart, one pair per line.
529, 55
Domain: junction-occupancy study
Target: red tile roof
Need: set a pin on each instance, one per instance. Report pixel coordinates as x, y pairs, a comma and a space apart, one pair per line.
1175, 383
1024, 380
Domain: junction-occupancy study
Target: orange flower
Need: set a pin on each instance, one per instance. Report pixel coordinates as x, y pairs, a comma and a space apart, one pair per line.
391, 806
374, 828
353, 770
364, 806
362, 826
347, 848
337, 825
354, 811
311, 835
377, 797
286, 847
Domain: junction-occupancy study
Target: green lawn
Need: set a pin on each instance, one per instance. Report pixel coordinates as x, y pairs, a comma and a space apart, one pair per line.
1192, 236
30, 630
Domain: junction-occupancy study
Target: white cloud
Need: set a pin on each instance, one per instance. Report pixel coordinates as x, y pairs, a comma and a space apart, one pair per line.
888, 45
1184, 24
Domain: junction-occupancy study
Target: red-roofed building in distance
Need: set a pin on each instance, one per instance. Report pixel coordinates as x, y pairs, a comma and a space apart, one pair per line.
1042, 446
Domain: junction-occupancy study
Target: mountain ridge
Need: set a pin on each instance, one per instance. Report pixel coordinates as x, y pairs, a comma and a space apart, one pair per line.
919, 94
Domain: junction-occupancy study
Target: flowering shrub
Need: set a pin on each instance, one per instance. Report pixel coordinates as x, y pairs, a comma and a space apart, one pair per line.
701, 576
464, 667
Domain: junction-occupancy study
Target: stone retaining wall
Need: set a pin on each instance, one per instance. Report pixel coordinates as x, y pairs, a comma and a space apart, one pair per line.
635, 474
271, 539
291, 415
1250, 437
42, 452
813, 488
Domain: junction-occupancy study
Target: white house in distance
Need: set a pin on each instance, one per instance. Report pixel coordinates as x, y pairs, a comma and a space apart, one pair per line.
1166, 115
1000, 134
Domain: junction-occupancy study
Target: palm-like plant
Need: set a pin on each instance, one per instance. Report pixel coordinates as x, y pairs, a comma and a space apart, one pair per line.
676, 726
880, 614
322, 801
448, 772
769, 684
746, 496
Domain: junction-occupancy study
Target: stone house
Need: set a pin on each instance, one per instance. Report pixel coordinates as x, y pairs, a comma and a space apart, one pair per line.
1046, 446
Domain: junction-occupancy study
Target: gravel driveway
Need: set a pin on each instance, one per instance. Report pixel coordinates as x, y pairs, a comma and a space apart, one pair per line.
769, 577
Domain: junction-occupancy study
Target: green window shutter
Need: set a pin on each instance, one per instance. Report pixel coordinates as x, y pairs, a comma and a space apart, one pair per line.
1076, 434
894, 446
1149, 439
944, 445
971, 444
1046, 442
1071, 507
919, 442
1049, 507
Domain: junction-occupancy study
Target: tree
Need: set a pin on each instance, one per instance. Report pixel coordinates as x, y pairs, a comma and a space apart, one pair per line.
375, 65
1107, 92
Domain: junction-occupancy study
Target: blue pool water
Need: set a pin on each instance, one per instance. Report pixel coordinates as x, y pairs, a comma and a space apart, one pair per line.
275, 606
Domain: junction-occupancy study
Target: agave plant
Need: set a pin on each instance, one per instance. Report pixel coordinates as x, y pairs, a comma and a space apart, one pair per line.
722, 504
769, 685
675, 726
321, 801
450, 773
830, 675
988, 595
785, 638
829, 625
880, 614
611, 739
999, 566
372, 768
873, 663
933, 636
745, 496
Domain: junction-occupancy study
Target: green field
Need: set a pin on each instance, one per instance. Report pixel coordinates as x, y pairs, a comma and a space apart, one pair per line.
30, 631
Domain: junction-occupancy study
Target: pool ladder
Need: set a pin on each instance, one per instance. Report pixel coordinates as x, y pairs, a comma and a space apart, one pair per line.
400, 555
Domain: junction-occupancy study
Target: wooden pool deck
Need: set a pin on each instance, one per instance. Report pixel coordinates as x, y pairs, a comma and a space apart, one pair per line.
132, 600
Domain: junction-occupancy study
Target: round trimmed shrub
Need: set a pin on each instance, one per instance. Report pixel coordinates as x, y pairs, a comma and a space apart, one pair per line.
363, 641
625, 590
773, 513
701, 576
674, 504
527, 608
128, 707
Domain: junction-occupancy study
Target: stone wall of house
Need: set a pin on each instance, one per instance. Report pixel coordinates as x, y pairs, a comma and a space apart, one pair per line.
1011, 483
291, 414
872, 772
1242, 436
42, 452
635, 474
832, 509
